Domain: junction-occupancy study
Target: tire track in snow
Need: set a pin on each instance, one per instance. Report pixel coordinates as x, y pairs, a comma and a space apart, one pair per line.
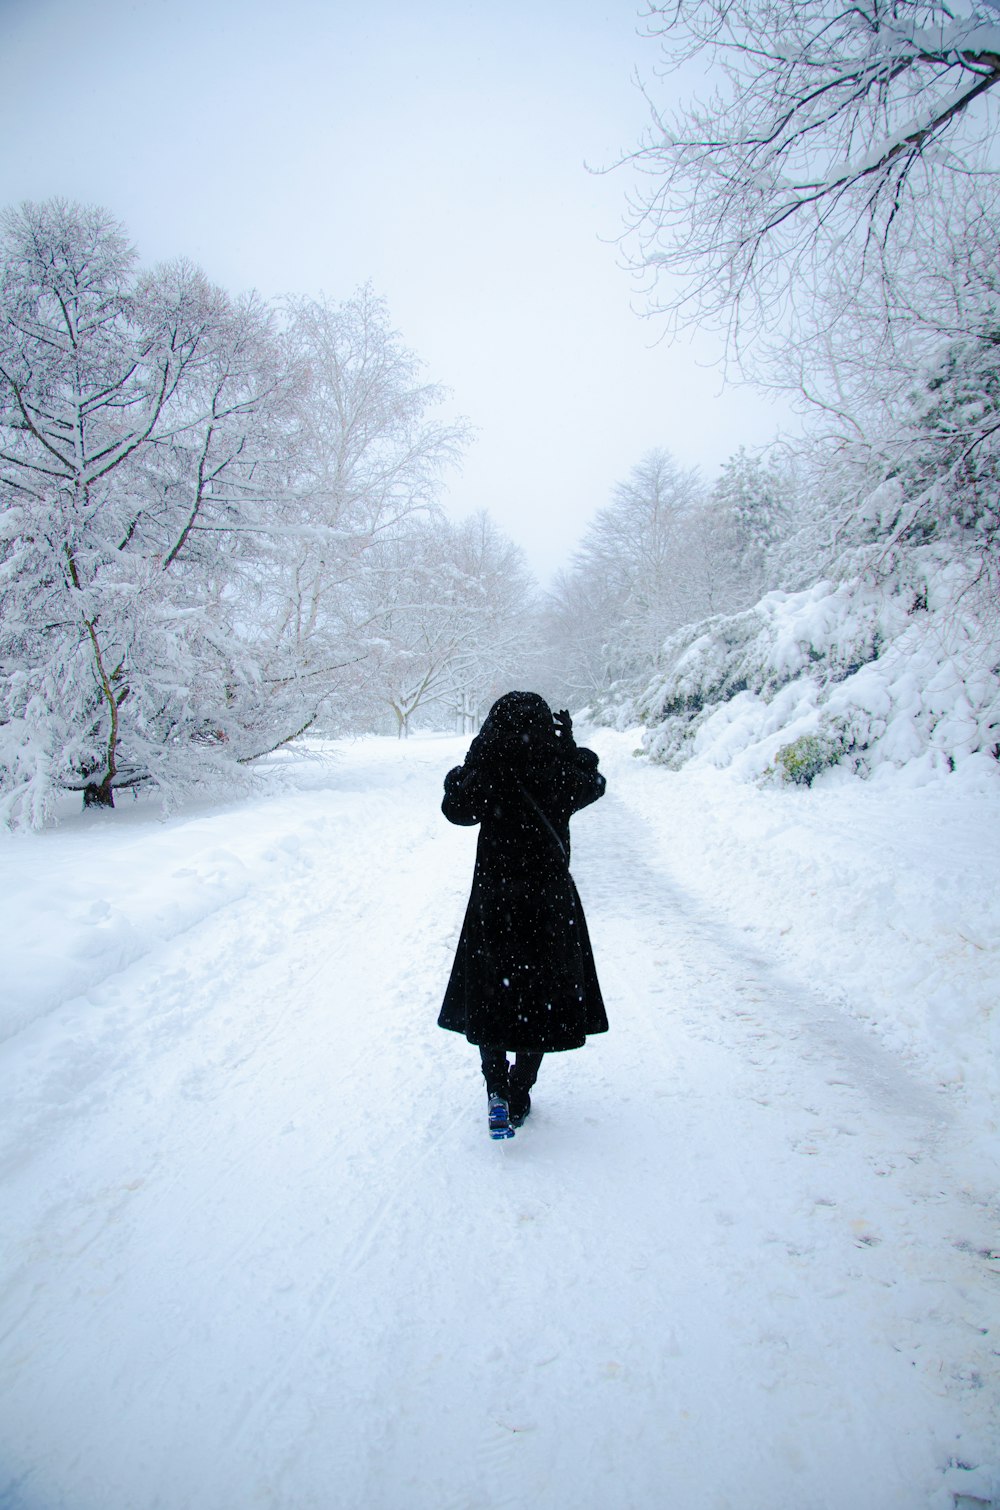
730, 991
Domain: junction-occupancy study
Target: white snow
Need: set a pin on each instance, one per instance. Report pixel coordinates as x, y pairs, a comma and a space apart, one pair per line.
883, 896
259, 1251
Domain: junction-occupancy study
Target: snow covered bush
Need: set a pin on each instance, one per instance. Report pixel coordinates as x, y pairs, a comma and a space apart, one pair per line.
888, 654
802, 760
857, 675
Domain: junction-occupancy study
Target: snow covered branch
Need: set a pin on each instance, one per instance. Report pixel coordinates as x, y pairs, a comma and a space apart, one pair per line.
825, 121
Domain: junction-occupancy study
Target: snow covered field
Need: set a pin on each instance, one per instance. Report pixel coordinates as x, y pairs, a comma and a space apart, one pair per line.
258, 1250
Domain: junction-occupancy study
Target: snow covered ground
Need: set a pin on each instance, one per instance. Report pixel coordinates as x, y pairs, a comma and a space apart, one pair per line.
258, 1250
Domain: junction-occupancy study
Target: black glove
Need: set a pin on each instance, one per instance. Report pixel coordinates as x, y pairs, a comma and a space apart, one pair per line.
564, 730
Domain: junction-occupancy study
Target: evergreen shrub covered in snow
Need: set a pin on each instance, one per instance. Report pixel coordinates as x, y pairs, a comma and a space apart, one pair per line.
802, 760
856, 674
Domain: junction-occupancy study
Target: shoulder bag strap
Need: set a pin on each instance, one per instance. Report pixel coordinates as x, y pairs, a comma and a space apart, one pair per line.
545, 822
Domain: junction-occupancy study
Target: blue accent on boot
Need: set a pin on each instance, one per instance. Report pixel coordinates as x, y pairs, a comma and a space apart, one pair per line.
499, 1118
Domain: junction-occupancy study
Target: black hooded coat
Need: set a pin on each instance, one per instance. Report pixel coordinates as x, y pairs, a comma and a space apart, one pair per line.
524, 975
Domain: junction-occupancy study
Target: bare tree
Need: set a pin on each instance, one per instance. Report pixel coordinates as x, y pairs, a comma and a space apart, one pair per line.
828, 127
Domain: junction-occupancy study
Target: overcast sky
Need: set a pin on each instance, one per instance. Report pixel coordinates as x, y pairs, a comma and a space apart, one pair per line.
434, 147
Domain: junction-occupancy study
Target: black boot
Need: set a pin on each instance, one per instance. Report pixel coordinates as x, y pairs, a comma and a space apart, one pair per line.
522, 1076
518, 1105
495, 1070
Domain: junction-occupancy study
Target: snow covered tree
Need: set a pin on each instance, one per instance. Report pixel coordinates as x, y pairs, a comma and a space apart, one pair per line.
451, 618
132, 439
936, 471
498, 647
406, 600
189, 488
833, 206
957, 422
750, 502
367, 458
632, 557
577, 613
663, 554
829, 128
368, 452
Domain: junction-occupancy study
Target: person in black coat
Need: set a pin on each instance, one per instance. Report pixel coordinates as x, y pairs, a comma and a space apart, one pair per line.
524, 979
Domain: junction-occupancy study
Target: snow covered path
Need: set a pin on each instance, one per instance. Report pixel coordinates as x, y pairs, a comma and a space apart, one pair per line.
260, 1252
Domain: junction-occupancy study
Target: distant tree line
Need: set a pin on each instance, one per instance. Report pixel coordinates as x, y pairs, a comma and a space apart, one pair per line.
666, 551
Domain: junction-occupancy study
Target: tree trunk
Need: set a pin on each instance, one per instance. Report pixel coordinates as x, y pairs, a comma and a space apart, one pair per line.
102, 795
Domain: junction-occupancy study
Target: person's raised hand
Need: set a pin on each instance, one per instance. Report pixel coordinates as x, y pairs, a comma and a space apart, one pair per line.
564, 727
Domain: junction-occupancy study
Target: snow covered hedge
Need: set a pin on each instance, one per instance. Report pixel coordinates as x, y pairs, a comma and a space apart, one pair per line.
854, 675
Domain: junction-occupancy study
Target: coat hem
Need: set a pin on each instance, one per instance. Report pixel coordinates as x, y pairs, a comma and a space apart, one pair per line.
520, 1046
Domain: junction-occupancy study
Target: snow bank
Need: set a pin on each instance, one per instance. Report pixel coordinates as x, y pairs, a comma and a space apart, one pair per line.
864, 677
884, 897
